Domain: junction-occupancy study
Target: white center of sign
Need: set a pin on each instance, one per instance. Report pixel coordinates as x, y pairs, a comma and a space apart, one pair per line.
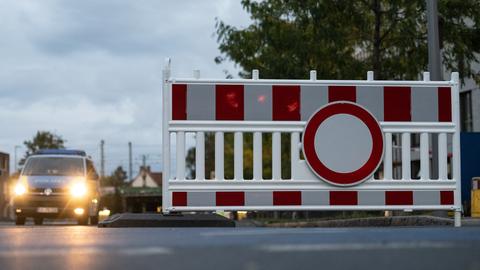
343, 143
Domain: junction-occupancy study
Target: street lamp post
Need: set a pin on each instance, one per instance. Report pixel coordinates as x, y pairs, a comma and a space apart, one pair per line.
434, 66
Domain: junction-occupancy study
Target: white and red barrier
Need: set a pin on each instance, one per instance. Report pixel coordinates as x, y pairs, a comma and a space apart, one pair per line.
346, 131
296, 101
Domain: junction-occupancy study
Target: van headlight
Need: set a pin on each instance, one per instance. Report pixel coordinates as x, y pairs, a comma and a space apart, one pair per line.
20, 189
78, 189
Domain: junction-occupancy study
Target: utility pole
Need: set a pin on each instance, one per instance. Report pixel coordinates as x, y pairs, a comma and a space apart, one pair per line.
144, 170
130, 161
434, 66
102, 159
144, 161
15, 157
434, 59
435, 69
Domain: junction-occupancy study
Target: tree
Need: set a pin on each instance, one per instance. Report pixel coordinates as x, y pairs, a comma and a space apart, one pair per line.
341, 40
116, 179
43, 140
209, 157
247, 156
344, 39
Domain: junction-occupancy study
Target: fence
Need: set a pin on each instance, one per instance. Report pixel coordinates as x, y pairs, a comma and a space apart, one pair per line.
405, 110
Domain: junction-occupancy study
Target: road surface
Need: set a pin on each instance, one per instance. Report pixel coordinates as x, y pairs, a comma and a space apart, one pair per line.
63, 246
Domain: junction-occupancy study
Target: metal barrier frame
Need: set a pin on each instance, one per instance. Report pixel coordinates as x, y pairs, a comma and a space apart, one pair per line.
302, 179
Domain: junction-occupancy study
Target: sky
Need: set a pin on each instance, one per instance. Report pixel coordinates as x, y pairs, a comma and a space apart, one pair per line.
91, 70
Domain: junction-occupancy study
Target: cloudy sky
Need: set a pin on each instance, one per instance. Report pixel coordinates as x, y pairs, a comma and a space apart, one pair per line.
91, 70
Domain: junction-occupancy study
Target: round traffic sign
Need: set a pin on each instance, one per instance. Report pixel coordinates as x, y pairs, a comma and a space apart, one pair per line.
343, 143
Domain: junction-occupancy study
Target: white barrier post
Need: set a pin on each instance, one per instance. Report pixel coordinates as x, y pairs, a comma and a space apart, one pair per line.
257, 145
166, 200
456, 148
200, 156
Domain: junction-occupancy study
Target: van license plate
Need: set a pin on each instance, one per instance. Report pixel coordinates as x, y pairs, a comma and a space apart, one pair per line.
47, 210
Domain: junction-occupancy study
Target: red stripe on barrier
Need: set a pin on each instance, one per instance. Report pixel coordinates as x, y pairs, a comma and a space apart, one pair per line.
286, 102
446, 197
444, 104
287, 198
179, 102
342, 93
397, 103
398, 197
229, 102
230, 198
179, 198
343, 198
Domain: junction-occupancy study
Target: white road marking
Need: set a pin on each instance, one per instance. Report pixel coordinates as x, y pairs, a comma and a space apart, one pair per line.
45, 252
354, 246
273, 232
65, 251
144, 251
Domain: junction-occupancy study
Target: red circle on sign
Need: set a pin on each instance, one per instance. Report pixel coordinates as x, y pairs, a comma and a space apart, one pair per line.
319, 168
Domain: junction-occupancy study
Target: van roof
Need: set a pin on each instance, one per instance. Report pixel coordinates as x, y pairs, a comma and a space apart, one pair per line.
71, 152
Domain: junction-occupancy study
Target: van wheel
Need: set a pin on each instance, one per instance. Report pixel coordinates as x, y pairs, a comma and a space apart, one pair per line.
20, 220
38, 221
94, 220
82, 220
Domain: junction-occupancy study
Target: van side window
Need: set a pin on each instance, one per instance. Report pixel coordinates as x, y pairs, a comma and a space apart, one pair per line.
91, 172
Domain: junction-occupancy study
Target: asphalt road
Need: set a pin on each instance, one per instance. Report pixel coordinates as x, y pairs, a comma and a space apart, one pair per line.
63, 246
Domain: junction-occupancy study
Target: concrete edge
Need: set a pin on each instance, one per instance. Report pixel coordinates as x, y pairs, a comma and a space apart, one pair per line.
369, 222
158, 220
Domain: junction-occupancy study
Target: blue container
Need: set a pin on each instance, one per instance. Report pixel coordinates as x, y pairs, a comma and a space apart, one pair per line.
470, 159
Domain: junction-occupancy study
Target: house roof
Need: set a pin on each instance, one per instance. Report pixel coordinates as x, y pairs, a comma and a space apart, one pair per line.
157, 177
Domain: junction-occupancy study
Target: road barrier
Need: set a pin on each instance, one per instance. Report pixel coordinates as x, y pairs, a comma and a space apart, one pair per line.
354, 144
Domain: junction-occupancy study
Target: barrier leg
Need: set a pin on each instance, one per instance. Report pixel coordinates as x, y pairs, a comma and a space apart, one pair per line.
458, 218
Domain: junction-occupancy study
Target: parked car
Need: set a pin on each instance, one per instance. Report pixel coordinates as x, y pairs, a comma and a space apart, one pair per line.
57, 184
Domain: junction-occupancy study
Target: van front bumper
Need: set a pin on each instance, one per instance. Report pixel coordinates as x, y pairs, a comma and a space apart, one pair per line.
53, 206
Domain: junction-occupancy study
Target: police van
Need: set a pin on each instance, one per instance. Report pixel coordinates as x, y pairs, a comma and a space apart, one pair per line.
57, 183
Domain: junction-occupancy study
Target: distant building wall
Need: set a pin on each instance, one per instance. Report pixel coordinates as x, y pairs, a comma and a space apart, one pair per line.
147, 178
4, 176
476, 110
470, 103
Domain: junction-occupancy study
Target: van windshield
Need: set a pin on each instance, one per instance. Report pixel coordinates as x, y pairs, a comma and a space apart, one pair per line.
58, 166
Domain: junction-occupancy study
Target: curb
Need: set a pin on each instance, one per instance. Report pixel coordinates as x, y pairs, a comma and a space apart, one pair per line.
159, 220
395, 221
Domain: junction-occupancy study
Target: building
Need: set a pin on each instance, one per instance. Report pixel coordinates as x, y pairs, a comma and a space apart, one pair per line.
4, 190
144, 192
147, 179
470, 104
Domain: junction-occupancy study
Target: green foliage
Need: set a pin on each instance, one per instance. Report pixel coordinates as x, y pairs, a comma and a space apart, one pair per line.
113, 201
44, 140
285, 42
341, 40
116, 179
209, 157
247, 156
460, 29
344, 39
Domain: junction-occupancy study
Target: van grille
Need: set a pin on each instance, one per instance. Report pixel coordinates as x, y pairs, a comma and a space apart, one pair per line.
54, 190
